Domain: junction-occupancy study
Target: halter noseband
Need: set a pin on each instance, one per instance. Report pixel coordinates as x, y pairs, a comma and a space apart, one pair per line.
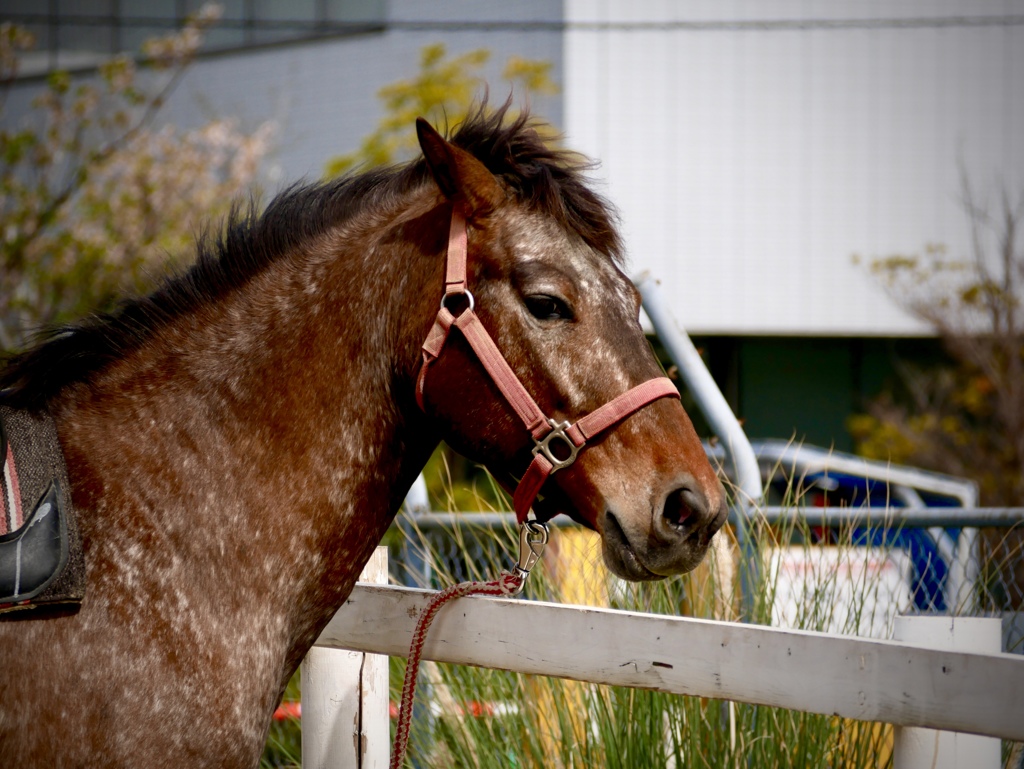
544, 430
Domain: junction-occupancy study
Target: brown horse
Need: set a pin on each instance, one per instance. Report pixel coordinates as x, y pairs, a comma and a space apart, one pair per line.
239, 441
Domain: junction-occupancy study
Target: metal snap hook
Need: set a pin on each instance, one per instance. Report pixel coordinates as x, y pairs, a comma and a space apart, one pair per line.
533, 537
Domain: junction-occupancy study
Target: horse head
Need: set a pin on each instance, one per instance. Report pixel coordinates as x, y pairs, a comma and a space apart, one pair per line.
542, 275
238, 441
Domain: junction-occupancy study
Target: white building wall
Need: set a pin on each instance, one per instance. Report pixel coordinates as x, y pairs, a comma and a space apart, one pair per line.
754, 147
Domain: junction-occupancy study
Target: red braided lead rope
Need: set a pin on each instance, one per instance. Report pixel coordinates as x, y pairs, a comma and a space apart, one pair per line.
506, 584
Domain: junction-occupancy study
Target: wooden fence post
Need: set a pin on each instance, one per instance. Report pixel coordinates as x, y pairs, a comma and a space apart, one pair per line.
916, 748
345, 700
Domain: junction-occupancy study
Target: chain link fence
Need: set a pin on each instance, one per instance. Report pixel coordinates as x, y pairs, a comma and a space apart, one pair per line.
834, 569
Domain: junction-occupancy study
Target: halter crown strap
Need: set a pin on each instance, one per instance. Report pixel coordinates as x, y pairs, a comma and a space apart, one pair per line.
550, 438
455, 272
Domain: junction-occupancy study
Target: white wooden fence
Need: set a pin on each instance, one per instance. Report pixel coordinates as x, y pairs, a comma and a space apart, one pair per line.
870, 680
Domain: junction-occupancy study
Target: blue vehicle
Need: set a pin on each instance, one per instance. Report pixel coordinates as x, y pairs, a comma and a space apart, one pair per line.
810, 477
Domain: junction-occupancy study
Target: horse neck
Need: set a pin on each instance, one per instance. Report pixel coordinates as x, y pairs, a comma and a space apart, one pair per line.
270, 436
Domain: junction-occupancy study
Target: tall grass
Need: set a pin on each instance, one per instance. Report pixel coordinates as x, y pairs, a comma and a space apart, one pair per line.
472, 717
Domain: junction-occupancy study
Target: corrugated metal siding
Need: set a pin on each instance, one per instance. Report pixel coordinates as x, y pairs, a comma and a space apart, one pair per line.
752, 161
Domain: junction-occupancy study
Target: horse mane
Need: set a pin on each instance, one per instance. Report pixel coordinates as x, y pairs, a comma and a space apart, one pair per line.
540, 176
549, 179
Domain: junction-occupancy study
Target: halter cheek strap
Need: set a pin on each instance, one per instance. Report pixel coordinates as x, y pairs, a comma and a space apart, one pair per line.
556, 444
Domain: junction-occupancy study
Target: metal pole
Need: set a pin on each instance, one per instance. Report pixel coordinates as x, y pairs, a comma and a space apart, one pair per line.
417, 504
713, 405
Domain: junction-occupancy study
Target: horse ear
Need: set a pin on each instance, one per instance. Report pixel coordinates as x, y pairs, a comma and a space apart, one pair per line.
461, 177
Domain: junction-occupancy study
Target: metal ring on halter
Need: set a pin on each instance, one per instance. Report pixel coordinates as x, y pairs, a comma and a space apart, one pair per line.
466, 293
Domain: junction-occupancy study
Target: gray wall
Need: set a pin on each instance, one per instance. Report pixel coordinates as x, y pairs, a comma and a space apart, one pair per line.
323, 95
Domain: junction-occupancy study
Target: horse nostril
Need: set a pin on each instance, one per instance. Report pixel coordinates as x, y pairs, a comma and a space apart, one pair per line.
683, 509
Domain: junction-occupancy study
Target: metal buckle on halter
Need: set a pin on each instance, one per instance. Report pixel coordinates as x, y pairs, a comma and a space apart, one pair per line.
543, 446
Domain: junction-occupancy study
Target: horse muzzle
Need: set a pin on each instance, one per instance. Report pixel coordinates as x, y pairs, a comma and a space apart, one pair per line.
671, 538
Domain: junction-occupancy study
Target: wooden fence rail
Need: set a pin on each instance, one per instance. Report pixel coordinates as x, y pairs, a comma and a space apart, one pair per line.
345, 721
799, 670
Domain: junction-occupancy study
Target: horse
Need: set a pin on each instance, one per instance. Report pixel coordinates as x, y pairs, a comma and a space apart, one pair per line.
239, 440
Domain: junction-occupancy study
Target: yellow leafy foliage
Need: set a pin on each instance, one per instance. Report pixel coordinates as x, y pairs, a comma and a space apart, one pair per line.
442, 91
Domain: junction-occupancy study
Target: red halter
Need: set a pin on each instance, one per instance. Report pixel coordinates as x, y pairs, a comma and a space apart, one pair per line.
543, 429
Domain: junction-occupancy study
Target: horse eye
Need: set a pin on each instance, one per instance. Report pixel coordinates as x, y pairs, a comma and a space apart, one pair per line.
545, 307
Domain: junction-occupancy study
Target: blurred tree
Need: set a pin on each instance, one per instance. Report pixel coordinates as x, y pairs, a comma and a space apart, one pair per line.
92, 196
442, 92
966, 418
